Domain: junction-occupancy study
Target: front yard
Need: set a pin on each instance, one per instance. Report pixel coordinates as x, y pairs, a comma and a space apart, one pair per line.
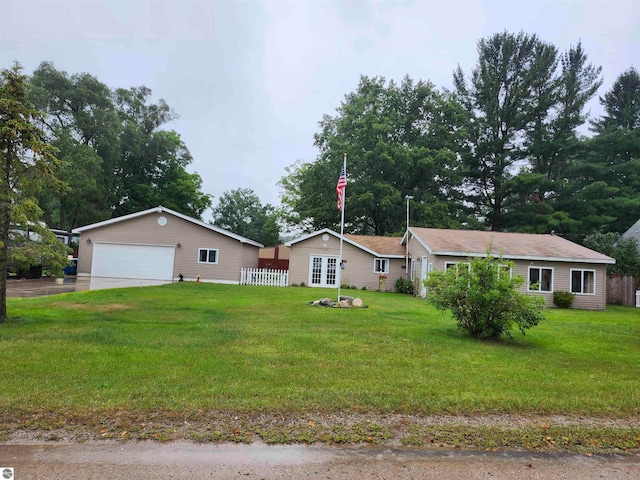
223, 362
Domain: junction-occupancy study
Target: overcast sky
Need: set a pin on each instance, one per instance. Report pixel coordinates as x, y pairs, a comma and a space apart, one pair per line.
251, 79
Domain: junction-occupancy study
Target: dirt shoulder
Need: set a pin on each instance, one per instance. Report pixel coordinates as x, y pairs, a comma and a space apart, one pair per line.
536, 433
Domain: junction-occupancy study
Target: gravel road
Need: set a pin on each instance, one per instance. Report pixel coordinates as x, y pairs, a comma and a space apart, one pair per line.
185, 460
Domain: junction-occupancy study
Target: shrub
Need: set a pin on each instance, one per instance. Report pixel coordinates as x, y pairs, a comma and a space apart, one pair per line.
484, 298
404, 286
563, 299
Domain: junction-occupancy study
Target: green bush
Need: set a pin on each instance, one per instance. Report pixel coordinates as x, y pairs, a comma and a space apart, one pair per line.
483, 297
404, 286
563, 299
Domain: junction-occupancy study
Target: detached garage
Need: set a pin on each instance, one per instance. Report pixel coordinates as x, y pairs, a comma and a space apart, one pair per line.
161, 244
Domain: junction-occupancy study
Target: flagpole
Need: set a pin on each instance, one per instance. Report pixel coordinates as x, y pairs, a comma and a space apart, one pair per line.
344, 196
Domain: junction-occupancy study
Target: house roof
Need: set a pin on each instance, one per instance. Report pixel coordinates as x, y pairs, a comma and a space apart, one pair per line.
161, 209
388, 247
514, 246
633, 232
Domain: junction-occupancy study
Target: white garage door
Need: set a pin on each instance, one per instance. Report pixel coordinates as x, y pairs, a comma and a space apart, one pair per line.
152, 262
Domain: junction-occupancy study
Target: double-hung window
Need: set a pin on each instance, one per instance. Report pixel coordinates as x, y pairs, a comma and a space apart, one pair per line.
381, 266
583, 282
207, 255
540, 279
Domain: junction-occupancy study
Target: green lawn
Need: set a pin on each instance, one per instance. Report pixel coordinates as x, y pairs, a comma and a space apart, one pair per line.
195, 346
228, 363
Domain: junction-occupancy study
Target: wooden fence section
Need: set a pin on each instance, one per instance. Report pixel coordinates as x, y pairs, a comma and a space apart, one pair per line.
621, 289
264, 277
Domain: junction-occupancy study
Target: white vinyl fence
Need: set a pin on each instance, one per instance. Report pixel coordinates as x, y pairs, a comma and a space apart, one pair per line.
264, 277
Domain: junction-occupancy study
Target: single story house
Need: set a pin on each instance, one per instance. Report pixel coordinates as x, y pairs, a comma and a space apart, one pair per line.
367, 261
547, 262
161, 244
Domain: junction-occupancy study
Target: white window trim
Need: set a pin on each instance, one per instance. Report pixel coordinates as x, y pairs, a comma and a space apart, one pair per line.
502, 268
582, 270
380, 272
209, 250
553, 279
457, 265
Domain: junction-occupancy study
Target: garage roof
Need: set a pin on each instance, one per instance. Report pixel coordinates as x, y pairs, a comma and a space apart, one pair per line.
161, 209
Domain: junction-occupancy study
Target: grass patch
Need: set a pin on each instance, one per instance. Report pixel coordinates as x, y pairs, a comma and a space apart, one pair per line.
195, 347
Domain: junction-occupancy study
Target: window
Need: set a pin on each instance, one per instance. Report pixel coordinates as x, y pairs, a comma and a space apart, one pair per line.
207, 255
583, 282
504, 270
540, 279
381, 265
456, 265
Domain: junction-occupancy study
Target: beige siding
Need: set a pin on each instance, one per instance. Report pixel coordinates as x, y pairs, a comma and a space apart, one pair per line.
359, 265
144, 230
561, 279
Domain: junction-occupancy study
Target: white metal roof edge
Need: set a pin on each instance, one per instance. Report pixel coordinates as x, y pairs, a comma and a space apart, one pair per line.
161, 209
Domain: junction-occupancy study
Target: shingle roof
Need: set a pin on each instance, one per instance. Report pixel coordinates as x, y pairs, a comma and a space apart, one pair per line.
380, 245
510, 245
633, 232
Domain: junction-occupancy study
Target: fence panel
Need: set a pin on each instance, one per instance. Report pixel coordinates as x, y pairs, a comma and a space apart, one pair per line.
264, 277
621, 289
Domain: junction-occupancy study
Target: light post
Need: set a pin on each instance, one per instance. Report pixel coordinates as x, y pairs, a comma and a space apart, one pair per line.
406, 258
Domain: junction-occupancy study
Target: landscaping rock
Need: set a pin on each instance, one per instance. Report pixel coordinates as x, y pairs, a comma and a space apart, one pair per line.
344, 304
357, 302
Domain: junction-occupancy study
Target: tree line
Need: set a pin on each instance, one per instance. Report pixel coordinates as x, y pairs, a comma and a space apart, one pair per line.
116, 155
502, 150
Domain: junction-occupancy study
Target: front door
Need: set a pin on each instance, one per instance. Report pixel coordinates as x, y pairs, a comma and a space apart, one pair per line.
322, 271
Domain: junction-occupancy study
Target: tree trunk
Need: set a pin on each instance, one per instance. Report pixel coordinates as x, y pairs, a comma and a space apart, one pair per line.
5, 222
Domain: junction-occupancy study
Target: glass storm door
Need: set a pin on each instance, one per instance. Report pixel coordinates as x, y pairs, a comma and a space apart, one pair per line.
322, 271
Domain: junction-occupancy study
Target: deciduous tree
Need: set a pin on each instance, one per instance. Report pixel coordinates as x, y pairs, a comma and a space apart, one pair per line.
241, 212
400, 140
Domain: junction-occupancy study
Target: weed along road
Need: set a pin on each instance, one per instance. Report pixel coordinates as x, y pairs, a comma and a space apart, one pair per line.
182, 460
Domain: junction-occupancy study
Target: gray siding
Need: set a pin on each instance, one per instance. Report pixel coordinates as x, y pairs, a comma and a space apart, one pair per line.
144, 230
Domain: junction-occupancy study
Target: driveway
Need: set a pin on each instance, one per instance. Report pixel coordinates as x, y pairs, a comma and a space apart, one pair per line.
51, 286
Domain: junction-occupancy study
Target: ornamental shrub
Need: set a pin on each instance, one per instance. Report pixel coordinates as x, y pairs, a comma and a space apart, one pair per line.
404, 286
563, 299
483, 297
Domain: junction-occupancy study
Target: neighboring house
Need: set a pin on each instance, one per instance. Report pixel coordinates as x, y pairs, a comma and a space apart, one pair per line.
547, 262
369, 262
633, 232
161, 244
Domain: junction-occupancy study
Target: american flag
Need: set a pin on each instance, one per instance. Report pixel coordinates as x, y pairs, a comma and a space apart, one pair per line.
342, 183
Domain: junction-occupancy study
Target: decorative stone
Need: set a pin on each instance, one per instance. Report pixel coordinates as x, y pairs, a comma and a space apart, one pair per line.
344, 304
327, 302
357, 302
